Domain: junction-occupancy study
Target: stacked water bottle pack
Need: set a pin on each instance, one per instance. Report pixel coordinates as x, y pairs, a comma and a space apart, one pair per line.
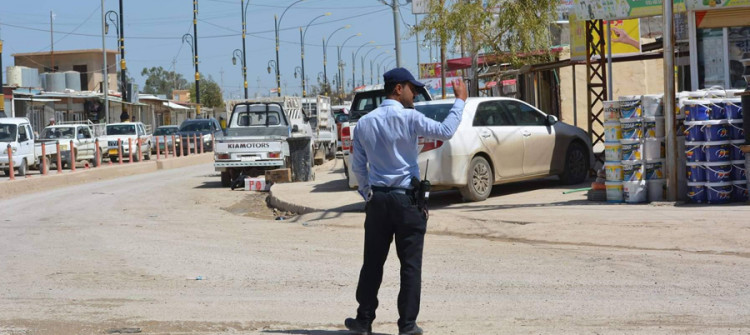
716, 171
634, 149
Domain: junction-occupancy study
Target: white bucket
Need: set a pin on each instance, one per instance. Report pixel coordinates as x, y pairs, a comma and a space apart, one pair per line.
614, 191
681, 170
611, 110
654, 126
653, 148
656, 189
613, 171
652, 105
632, 150
632, 170
631, 129
612, 151
612, 131
634, 192
629, 97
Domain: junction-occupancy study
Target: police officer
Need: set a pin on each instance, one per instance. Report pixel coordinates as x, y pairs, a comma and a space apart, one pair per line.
386, 138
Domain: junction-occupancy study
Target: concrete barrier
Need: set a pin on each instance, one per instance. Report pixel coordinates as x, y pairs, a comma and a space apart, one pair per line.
16, 187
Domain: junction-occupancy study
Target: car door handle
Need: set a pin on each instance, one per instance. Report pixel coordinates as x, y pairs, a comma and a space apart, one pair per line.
485, 134
526, 133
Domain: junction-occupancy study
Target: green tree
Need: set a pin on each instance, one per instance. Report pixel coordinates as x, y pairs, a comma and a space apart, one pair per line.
161, 81
516, 32
211, 95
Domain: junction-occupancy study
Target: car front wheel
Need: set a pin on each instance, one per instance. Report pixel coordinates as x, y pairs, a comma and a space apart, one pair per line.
480, 180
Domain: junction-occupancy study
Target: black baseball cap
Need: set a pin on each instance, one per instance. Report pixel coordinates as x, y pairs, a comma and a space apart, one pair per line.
400, 75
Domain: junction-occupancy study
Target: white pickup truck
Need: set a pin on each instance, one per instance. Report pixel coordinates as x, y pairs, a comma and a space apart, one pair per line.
82, 138
323, 125
127, 131
259, 135
17, 133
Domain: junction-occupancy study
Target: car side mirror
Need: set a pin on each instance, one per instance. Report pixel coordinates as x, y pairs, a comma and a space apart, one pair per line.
295, 129
551, 120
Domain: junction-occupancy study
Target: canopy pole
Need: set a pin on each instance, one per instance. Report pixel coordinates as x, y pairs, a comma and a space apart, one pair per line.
669, 102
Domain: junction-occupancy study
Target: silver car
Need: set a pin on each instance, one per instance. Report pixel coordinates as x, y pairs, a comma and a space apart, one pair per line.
502, 140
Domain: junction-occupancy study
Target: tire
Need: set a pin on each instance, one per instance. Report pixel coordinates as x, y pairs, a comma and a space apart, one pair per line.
480, 180
147, 155
226, 179
23, 168
576, 165
45, 168
330, 152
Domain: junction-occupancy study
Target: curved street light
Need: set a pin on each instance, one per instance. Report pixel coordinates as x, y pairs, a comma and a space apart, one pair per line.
362, 61
276, 24
354, 61
237, 53
302, 35
113, 17
243, 12
341, 64
387, 52
325, 57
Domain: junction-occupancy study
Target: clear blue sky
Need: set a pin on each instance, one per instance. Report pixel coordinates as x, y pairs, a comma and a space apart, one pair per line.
154, 29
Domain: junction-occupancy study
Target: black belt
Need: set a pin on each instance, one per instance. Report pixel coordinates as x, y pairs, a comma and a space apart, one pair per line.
385, 189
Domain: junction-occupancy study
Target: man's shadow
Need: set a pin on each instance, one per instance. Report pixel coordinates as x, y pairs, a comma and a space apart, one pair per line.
314, 332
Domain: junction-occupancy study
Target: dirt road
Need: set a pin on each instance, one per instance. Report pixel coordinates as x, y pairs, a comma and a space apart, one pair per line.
173, 253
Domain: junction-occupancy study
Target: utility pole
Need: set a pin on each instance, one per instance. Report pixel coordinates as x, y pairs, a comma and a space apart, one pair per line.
52, 40
416, 34
2, 96
105, 76
397, 32
123, 66
195, 46
244, 55
443, 64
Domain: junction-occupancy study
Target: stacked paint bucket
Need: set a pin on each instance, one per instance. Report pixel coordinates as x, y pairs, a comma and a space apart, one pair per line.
653, 146
613, 151
715, 164
633, 167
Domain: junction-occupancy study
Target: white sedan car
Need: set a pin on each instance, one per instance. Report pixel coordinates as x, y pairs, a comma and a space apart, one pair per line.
500, 140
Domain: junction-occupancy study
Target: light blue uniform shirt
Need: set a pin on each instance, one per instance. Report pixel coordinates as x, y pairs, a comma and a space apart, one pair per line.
387, 139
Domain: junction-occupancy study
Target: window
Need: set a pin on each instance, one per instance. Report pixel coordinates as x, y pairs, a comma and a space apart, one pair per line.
257, 115
22, 135
524, 115
122, 129
491, 113
7, 132
85, 132
435, 112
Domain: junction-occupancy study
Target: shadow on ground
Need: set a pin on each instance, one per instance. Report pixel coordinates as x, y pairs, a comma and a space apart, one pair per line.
313, 332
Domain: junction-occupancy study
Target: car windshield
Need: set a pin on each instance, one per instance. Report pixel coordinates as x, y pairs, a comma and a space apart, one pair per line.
7, 132
365, 102
196, 126
121, 129
436, 112
258, 115
58, 133
165, 130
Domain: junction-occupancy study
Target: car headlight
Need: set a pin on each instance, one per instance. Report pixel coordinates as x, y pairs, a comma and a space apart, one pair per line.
5, 150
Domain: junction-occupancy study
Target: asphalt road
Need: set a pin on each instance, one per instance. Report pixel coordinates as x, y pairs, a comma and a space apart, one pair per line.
172, 252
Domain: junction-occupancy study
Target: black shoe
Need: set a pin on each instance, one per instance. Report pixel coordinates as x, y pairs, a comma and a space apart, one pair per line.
413, 331
358, 326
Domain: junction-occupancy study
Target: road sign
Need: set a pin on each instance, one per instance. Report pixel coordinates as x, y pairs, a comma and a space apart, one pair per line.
420, 6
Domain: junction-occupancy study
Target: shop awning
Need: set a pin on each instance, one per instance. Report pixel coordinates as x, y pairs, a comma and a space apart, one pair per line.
173, 105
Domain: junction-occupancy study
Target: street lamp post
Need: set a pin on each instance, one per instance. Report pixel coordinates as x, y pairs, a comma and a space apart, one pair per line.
341, 64
276, 23
325, 57
354, 61
273, 65
190, 40
363, 64
237, 53
298, 70
243, 11
373, 62
195, 60
302, 35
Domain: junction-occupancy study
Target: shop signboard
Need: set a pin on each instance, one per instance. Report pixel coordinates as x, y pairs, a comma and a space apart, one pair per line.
625, 37
715, 4
420, 6
623, 9
432, 70
434, 86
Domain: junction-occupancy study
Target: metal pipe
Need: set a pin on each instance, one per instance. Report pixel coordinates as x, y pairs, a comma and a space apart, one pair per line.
397, 32
195, 53
105, 76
